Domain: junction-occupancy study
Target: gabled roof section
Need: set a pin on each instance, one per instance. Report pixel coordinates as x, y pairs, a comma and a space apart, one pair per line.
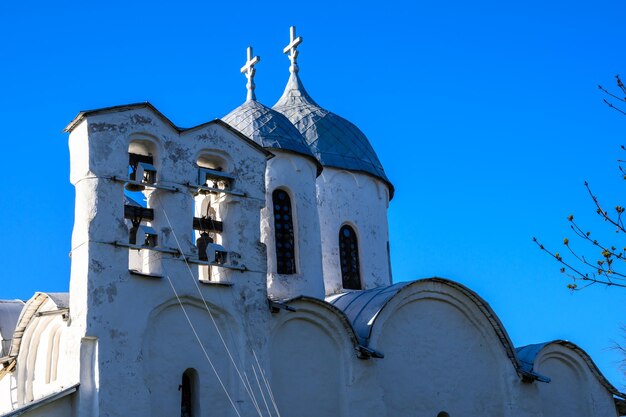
335, 141
29, 312
118, 109
529, 353
363, 308
61, 299
146, 105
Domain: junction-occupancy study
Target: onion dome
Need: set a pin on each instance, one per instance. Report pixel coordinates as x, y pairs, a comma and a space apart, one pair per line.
333, 140
265, 126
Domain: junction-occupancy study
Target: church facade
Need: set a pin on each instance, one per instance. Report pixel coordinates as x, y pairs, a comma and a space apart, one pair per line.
241, 268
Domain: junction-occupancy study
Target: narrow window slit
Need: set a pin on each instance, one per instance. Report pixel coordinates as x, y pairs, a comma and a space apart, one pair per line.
349, 259
283, 233
188, 394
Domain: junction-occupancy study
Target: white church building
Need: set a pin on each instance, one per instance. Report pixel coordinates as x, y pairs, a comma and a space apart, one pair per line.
241, 268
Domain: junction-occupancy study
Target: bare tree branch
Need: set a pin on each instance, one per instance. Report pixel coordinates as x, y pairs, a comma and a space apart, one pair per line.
622, 88
577, 275
609, 267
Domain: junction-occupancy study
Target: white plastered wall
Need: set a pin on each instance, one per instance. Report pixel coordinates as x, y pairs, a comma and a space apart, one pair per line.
360, 201
296, 175
170, 347
111, 306
44, 363
573, 391
441, 355
312, 359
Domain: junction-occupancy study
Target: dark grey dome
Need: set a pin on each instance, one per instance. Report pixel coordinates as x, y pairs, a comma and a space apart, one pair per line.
269, 129
334, 140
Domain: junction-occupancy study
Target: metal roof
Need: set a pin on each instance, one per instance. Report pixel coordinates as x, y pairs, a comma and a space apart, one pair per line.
362, 307
9, 313
61, 300
334, 140
268, 128
528, 354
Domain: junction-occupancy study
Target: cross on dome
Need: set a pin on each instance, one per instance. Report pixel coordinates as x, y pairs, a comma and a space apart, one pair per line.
291, 48
248, 70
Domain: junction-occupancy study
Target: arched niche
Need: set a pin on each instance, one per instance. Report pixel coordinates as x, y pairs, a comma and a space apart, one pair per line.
568, 392
39, 351
341, 177
437, 344
312, 353
286, 165
170, 347
54, 338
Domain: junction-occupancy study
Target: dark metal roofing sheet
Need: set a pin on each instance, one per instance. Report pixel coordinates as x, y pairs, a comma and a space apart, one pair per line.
362, 307
528, 354
9, 314
61, 299
268, 128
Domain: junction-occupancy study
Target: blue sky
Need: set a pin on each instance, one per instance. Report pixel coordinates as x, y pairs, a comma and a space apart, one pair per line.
486, 116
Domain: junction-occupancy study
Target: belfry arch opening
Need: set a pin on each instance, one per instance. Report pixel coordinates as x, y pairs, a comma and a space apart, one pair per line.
138, 215
141, 164
214, 181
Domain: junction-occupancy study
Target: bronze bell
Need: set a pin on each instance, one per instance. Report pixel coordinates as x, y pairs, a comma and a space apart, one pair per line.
134, 187
202, 243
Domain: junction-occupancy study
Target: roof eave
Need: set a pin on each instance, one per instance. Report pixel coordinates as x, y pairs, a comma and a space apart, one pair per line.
42, 401
116, 109
390, 187
147, 105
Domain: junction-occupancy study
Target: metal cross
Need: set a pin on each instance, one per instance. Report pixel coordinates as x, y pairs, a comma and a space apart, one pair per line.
249, 71
291, 48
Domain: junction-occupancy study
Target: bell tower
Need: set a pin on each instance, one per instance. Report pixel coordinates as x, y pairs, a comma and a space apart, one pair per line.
166, 239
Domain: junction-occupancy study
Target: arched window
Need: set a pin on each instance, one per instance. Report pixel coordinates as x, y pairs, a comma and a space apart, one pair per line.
283, 233
349, 258
189, 396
